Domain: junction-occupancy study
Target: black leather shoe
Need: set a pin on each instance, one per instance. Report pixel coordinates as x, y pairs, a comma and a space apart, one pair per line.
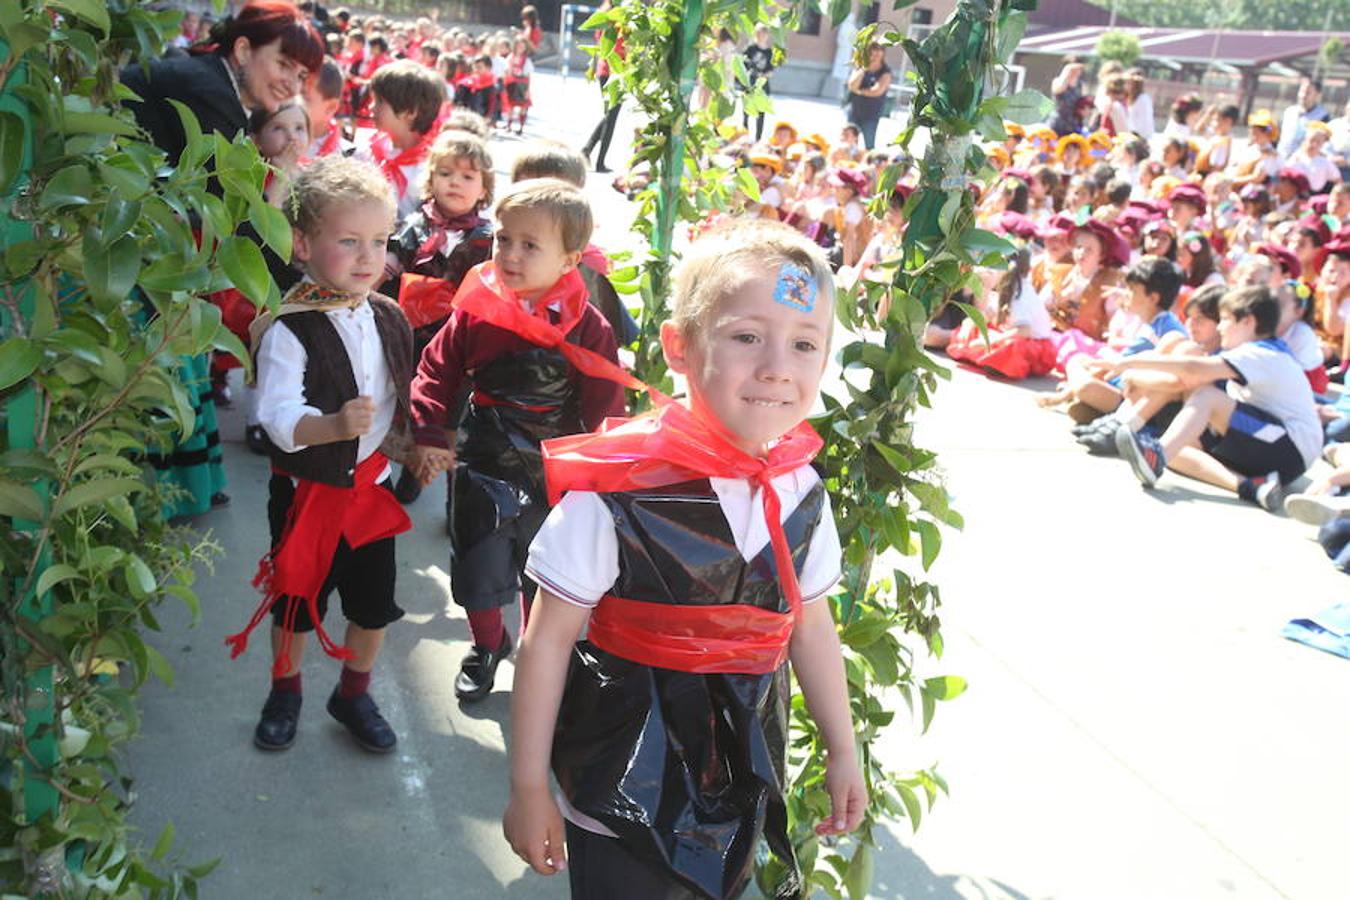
276, 727
362, 718
256, 439
479, 669
407, 489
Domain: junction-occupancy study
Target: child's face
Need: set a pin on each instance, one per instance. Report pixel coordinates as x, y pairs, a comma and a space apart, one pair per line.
456, 186
1335, 275
529, 252
389, 121
757, 364
287, 130
1204, 332
1235, 332
346, 249
1303, 246
1087, 250
1183, 214
1139, 301
1079, 196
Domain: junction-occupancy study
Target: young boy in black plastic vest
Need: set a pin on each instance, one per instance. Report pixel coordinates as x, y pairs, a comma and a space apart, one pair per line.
536, 361
334, 368
694, 547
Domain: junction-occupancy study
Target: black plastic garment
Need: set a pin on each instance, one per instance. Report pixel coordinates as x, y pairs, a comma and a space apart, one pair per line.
497, 498
687, 769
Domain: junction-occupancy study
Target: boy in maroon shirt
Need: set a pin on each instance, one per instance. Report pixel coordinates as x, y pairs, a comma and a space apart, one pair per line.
523, 358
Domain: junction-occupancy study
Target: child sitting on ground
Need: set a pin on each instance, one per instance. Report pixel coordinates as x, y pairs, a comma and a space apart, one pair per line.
660, 545
334, 367
1019, 332
1253, 436
540, 362
407, 102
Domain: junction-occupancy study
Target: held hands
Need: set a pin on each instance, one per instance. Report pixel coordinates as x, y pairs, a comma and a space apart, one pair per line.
355, 418
848, 794
428, 462
533, 827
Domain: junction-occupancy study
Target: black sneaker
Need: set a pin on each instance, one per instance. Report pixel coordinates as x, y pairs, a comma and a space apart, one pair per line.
220, 498
479, 670
256, 439
1100, 441
361, 717
1144, 454
1270, 493
276, 726
1095, 425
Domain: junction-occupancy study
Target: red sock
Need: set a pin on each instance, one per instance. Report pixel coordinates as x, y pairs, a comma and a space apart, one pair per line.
353, 683
486, 627
288, 685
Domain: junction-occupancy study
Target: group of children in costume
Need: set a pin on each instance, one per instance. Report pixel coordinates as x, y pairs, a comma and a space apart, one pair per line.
426, 329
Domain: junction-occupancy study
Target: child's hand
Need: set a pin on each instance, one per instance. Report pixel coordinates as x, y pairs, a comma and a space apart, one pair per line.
428, 462
355, 417
534, 828
848, 794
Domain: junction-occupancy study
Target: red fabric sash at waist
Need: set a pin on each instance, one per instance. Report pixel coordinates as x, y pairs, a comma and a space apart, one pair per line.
733, 639
482, 399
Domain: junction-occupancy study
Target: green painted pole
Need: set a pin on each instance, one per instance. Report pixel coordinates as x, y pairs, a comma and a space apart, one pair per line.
684, 66
21, 416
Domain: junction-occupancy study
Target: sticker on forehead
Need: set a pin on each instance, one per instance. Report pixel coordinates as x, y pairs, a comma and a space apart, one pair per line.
796, 287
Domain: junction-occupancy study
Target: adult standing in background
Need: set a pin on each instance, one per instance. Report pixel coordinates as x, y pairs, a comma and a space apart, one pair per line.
255, 61
1138, 104
867, 88
1307, 108
603, 132
1067, 89
759, 66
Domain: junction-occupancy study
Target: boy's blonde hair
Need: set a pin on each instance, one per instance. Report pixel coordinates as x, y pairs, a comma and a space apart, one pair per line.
331, 180
563, 202
550, 159
724, 259
453, 145
461, 119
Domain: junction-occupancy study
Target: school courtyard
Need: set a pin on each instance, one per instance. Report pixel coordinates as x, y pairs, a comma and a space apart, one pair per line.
1135, 726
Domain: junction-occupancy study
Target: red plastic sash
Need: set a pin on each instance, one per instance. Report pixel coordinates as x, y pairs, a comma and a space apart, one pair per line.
736, 639
483, 296
671, 445
320, 515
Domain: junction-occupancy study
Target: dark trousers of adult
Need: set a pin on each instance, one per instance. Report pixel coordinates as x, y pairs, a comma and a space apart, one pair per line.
868, 128
1334, 537
600, 868
603, 132
759, 119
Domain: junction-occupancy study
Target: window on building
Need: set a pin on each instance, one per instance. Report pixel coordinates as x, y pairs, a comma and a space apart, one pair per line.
808, 21
921, 16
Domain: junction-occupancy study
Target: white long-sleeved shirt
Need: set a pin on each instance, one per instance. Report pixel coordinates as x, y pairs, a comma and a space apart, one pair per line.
281, 379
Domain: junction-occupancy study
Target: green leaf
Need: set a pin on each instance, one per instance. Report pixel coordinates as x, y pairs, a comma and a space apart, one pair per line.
196, 148
858, 878
119, 217
912, 808
89, 492
272, 228
140, 579
97, 123
72, 186
111, 270
945, 687
247, 270
930, 541
19, 358
1027, 106
19, 501
164, 843
12, 138
1010, 33
745, 180
92, 11
54, 575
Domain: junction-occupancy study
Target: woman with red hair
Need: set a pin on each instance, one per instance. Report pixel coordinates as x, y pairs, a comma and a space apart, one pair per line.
255, 60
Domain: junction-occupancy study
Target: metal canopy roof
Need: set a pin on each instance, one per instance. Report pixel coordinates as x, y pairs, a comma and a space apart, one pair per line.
1187, 45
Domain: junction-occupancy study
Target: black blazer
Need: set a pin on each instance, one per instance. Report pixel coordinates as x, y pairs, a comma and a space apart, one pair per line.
199, 82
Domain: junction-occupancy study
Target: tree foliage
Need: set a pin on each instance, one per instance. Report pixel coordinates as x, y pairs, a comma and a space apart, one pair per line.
1120, 46
1253, 15
102, 284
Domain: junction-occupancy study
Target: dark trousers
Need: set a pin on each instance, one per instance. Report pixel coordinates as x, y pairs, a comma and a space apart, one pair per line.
603, 132
601, 868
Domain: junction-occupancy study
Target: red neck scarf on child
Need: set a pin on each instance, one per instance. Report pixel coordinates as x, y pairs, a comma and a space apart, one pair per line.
483, 296
668, 446
391, 160
596, 259
439, 228
320, 515
332, 140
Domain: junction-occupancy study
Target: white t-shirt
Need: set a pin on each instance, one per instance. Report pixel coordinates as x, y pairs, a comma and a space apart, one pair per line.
1028, 310
1270, 379
1302, 342
575, 555
1319, 169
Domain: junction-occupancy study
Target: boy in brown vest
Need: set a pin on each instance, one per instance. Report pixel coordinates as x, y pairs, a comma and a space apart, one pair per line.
334, 368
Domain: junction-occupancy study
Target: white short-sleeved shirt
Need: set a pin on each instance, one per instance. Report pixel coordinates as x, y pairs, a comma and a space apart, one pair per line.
1302, 342
1270, 379
575, 555
1028, 309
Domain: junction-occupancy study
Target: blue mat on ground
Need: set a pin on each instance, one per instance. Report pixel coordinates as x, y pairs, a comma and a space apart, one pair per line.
1329, 630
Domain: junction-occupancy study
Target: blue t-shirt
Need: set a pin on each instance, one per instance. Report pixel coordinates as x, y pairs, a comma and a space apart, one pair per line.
1163, 323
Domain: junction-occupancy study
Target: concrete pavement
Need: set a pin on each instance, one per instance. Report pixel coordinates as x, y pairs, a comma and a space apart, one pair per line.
1134, 727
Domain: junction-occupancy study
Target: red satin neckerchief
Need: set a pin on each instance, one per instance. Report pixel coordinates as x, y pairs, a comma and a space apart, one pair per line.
391, 160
